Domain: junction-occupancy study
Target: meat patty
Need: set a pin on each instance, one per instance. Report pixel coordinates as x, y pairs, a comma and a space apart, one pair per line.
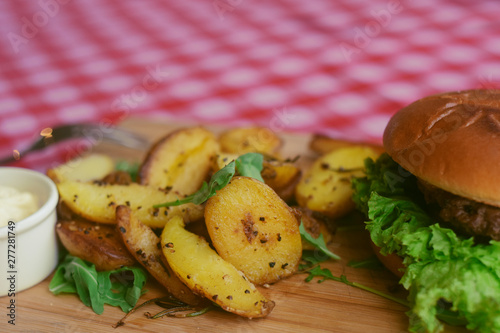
468, 216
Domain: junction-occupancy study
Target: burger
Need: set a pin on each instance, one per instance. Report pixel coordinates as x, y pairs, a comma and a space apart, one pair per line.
433, 202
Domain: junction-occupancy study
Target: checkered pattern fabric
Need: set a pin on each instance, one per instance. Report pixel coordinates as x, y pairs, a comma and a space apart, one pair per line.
336, 67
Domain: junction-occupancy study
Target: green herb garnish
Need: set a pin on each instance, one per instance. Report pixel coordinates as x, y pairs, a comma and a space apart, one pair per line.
319, 242
248, 165
121, 287
313, 269
326, 274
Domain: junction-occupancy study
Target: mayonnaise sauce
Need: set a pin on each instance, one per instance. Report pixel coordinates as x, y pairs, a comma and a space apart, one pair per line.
15, 205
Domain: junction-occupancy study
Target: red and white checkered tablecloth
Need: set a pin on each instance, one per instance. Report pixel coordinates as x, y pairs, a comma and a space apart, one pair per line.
335, 67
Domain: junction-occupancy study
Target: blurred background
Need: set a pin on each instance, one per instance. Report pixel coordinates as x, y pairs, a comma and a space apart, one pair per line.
340, 68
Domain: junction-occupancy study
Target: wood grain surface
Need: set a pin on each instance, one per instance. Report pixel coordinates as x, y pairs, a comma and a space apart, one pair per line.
300, 306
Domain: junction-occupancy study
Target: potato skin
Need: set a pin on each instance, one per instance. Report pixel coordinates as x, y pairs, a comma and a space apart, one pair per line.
145, 246
326, 187
253, 228
96, 243
207, 274
180, 161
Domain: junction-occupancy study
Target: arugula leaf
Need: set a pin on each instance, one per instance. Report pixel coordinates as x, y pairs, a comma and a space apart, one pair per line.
319, 242
248, 165
326, 274
311, 258
121, 287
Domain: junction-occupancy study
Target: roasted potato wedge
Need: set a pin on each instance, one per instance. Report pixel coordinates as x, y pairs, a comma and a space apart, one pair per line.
250, 140
145, 246
207, 274
97, 202
253, 228
326, 187
180, 161
323, 144
99, 244
86, 168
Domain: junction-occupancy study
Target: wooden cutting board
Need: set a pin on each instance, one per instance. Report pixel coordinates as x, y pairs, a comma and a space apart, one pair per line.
300, 306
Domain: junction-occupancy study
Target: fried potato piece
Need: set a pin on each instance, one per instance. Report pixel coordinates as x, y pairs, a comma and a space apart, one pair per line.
145, 246
323, 144
282, 177
86, 168
97, 243
326, 187
253, 228
180, 161
97, 202
207, 274
250, 140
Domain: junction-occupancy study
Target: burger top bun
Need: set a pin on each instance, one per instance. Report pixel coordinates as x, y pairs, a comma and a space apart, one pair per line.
452, 141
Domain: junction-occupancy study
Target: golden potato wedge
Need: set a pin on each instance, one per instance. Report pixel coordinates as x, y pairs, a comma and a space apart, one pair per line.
282, 177
323, 144
180, 161
145, 246
207, 274
253, 228
97, 202
326, 187
99, 244
86, 168
250, 140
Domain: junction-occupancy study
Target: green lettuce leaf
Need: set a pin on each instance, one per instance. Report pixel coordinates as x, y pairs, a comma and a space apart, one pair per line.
121, 287
448, 277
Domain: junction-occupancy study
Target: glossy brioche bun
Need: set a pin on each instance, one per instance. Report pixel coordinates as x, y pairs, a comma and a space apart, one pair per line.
452, 141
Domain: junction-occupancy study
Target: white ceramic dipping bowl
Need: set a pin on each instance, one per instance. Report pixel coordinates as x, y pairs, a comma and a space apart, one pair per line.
34, 237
